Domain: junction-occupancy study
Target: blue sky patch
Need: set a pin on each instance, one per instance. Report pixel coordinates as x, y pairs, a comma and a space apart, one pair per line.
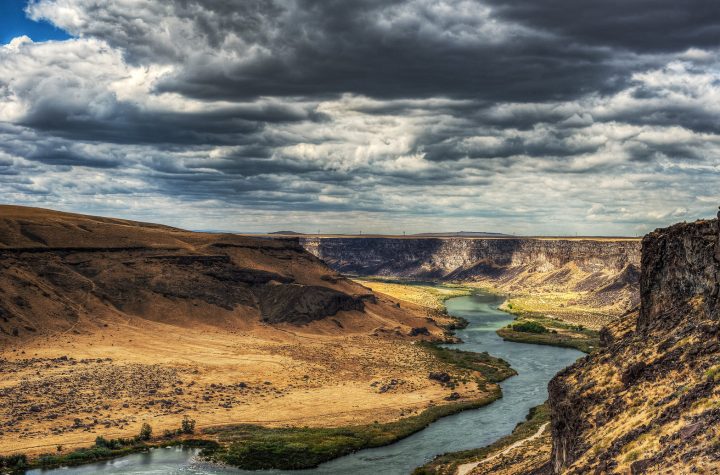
14, 22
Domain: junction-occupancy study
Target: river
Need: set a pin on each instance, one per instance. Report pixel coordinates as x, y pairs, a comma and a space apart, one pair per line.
535, 364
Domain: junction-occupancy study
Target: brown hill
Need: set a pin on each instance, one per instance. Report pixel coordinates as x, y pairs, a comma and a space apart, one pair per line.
106, 323
62, 271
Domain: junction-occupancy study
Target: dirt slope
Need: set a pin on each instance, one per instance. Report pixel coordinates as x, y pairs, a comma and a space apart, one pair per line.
107, 323
62, 271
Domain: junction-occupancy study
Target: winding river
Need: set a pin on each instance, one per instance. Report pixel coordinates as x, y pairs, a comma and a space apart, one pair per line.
535, 364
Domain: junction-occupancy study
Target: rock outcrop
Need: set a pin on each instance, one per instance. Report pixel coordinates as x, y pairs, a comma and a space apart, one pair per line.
468, 258
649, 401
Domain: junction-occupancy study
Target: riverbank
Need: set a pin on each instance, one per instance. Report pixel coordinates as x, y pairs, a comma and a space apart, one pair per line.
467, 379
261, 448
431, 297
532, 430
408, 444
531, 325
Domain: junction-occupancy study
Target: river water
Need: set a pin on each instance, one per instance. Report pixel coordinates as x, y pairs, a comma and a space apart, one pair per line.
535, 364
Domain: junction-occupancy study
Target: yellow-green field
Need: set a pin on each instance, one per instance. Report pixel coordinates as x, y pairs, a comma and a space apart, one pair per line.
428, 296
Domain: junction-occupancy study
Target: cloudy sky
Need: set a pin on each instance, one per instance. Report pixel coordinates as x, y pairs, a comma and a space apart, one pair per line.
525, 116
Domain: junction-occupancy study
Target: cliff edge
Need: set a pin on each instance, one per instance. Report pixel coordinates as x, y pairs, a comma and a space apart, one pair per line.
649, 400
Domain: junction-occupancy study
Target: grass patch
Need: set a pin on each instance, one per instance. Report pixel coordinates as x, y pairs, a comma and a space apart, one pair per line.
541, 330
252, 447
425, 294
584, 344
106, 449
447, 464
492, 368
713, 373
528, 327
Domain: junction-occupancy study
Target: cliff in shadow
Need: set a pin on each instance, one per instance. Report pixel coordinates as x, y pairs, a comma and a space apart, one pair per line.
649, 400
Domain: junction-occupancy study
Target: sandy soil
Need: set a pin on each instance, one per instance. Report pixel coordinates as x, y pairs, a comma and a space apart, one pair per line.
69, 388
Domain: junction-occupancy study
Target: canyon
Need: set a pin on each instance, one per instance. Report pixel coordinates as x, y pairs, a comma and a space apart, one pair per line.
648, 399
588, 281
107, 324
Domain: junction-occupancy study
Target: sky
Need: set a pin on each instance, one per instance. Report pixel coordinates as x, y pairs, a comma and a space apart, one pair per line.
518, 116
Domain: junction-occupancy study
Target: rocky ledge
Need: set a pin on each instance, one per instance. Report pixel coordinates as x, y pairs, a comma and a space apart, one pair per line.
649, 400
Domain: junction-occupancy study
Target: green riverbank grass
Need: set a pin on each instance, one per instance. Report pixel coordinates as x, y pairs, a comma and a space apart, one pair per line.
102, 451
522, 330
535, 328
254, 447
492, 368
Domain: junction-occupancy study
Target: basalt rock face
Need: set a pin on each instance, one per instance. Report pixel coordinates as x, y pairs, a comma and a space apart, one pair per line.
603, 273
63, 272
458, 258
679, 264
649, 400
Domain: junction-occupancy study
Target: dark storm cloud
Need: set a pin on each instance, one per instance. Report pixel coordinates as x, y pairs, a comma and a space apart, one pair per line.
328, 106
637, 25
124, 122
242, 50
322, 48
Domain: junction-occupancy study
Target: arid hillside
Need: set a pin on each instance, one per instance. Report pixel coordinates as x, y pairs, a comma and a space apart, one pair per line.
649, 401
585, 281
105, 324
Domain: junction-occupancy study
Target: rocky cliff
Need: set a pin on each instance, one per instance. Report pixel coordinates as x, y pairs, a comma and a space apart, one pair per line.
61, 272
468, 258
649, 400
593, 276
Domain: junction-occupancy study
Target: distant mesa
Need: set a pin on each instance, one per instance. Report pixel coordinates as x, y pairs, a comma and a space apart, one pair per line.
463, 234
290, 233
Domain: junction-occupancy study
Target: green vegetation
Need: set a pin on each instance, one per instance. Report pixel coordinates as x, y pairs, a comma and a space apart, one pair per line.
540, 330
254, 447
145, 432
13, 463
448, 463
713, 373
528, 327
187, 426
492, 368
104, 449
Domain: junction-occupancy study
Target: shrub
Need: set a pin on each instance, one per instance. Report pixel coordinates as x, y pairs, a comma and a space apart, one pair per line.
188, 425
713, 373
14, 462
145, 432
529, 327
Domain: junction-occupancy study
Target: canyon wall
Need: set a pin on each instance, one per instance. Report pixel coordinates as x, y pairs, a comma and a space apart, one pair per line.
466, 258
648, 401
584, 281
